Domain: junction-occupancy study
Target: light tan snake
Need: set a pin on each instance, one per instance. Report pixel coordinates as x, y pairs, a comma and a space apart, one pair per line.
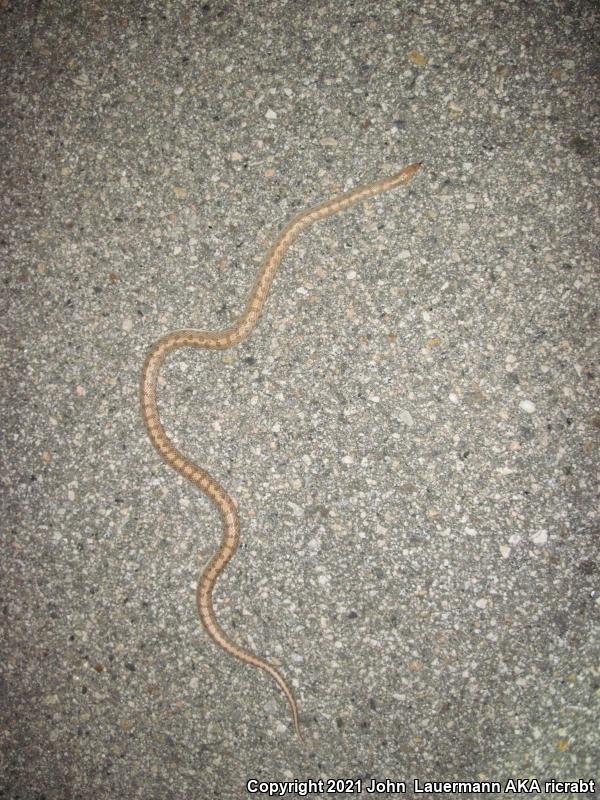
220, 340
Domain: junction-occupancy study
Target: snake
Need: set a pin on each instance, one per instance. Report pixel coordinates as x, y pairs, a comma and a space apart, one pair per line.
221, 340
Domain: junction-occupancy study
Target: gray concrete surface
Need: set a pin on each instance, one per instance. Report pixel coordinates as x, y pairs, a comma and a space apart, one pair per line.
411, 433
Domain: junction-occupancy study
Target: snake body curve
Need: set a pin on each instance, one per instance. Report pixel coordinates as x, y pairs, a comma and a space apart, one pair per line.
220, 340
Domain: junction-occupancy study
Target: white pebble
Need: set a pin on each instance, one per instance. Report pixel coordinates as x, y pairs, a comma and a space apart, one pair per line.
541, 537
527, 406
406, 418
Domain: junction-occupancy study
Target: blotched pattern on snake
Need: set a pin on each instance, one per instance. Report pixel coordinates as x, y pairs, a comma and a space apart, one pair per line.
220, 340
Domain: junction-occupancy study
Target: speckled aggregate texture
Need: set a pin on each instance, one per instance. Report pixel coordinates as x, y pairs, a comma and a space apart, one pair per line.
410, 433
